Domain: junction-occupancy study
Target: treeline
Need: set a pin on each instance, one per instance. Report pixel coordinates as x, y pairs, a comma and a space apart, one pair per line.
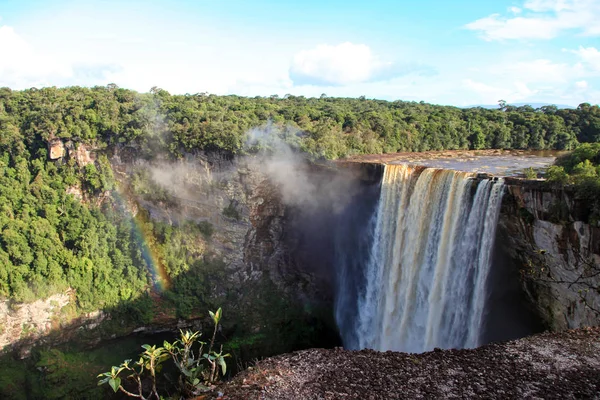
324, 127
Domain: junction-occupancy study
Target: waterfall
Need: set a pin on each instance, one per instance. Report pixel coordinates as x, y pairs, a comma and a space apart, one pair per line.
424, 283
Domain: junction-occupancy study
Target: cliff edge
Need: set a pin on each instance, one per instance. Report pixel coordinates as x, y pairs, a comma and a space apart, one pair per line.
563, 365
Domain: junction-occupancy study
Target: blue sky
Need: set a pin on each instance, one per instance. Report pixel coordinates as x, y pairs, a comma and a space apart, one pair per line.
459, 52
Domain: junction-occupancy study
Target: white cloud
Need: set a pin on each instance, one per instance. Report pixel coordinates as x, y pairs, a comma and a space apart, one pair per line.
549, 5
537, 80
490, 93
590, 57
515, 10
22, 66
535, 71
343, 64
545, 19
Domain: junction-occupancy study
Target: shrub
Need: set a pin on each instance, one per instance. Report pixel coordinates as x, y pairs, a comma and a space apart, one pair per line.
197, 370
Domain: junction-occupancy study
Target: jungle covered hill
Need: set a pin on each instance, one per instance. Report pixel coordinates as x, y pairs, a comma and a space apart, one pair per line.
323, 127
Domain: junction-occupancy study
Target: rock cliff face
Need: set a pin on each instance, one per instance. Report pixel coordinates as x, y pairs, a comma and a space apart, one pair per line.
29, 321
264, 282
238, 199
261, 234
545, 231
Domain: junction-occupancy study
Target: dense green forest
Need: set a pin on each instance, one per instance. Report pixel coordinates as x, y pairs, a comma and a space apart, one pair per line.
50, 241
327, 127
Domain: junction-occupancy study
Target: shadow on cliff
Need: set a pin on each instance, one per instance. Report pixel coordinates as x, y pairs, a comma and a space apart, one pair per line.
259, 321
510, 313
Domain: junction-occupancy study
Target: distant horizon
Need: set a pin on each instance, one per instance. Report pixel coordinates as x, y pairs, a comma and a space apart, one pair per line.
534, 104
460, 53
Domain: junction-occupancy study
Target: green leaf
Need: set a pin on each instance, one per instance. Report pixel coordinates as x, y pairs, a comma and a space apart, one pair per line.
114, 383
223, 365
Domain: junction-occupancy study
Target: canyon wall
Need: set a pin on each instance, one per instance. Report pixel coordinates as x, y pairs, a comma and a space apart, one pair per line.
547, 233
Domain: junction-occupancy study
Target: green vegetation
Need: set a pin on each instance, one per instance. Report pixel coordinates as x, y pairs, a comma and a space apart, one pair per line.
580, 168
324, 127
231, 212
50, 241
67, 372
197, 370
530, 173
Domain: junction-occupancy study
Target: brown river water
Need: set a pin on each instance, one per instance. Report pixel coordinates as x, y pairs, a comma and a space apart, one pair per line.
495, 162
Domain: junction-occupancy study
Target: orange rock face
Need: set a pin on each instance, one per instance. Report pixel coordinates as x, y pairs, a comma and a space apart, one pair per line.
56, 148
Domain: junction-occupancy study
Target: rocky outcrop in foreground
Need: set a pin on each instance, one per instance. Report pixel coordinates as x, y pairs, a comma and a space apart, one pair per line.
562, 365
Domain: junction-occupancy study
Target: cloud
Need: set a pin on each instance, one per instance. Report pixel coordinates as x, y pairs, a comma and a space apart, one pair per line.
536, 71
338, 65
23, 66
544, 19
491, 93
346, 64
537, 80
590, 57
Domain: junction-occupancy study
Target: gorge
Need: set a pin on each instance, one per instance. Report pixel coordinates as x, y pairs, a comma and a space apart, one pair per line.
302, 241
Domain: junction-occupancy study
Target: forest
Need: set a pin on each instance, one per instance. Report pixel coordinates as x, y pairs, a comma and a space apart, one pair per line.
50, 241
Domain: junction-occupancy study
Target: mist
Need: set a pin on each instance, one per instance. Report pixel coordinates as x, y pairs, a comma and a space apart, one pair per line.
302, 182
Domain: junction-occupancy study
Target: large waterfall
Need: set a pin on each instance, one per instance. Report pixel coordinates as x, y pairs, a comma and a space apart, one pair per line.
424, 280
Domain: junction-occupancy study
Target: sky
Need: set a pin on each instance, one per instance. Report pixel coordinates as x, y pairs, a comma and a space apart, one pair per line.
460, 52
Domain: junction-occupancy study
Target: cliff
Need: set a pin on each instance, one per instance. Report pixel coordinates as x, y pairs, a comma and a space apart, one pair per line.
545, 231
245, 252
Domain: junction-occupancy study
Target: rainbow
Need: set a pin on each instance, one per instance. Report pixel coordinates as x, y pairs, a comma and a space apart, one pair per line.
146, 241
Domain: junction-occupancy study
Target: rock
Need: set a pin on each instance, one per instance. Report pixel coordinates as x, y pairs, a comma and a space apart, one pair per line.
56, 148
29, 321
551, 365
556, 250
82, 154
75, 191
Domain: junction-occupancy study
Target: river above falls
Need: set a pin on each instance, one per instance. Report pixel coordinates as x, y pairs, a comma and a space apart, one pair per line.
495, 162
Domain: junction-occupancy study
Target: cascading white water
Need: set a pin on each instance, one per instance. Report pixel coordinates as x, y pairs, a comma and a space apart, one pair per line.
429, 263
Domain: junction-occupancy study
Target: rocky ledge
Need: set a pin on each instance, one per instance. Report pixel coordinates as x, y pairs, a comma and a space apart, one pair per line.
563, 365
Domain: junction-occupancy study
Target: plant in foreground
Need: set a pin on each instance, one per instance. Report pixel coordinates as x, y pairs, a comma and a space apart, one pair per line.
197, 370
